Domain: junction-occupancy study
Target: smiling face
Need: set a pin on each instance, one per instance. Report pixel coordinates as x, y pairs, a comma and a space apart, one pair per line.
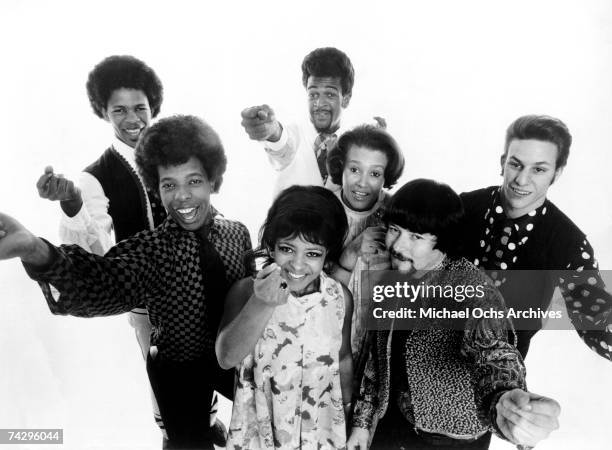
185, 193
129, 113
301, 263
528, 168
412, 251
325, 102
363, 177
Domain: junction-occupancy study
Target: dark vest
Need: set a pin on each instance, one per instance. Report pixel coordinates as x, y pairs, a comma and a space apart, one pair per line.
127, 204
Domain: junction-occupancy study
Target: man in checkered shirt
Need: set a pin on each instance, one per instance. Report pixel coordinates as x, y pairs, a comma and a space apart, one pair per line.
182, 269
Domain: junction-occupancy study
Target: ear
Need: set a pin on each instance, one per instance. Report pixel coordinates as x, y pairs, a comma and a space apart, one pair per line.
105, 115
345, 100
502, 162
558, 173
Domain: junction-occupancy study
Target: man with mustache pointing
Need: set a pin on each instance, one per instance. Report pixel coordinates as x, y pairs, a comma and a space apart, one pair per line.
299, 151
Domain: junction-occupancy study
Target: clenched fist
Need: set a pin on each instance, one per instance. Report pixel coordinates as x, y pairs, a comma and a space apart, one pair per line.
260, 123
270, 287
55, 187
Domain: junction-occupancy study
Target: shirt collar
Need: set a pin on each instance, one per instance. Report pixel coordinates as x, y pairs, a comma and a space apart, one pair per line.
496, 211
126, 152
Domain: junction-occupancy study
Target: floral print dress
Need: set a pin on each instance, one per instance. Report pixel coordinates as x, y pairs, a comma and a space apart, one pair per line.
288, 394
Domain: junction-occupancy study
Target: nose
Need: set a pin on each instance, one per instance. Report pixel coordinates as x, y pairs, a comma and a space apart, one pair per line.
132, 116
182, 193
398, 245
297, 262
361, 181
522, 177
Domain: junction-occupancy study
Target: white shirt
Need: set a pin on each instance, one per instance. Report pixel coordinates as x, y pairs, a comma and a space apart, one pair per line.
293, 156
92, 227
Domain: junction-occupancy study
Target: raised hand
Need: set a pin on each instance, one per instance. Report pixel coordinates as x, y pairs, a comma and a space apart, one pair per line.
260, 123
56, 187
269, 286
17, 242
526, 418
368, 244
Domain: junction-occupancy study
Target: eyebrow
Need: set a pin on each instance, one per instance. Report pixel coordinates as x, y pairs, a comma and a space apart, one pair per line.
197, 174
381, 166
327, 86
537, 163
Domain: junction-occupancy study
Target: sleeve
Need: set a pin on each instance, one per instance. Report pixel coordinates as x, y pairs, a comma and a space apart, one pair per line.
91, 227
367, 400
499, 365
588, 304
282, 152
90, 285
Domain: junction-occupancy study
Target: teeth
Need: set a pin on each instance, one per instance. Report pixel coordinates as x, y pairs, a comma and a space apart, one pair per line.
187, 213
520, 192
296, 276
135, 131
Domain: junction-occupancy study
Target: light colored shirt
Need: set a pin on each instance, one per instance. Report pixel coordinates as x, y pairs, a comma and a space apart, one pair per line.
293, 156
92, 227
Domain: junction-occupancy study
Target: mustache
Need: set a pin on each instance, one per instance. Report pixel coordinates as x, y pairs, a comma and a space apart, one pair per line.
398, 256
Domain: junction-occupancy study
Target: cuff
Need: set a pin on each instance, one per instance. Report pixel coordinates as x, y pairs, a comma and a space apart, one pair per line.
36, 272
278, 146
78, 222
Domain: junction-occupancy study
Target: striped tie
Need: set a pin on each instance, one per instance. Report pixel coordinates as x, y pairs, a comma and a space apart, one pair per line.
322, 144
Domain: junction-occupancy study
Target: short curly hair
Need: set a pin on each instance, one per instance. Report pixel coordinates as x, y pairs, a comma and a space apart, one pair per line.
122, 71
329, 62
371, 137
173, 141
541, 128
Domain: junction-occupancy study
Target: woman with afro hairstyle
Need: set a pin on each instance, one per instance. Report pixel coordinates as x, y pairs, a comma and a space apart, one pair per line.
182, 270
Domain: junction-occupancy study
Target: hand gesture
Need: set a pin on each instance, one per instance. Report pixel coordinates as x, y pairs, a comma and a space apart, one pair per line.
370, 243
15, 240
269, 286
526, 418
380, 122
55, 187
358, 439
260, 123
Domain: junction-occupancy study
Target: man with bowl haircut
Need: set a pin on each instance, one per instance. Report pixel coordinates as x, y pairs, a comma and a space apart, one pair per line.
514, 226
299, 151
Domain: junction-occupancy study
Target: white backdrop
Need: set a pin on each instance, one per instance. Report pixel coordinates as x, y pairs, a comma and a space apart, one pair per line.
448, 76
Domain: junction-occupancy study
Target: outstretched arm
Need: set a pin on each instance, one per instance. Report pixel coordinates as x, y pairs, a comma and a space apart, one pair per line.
588, 303
17, 242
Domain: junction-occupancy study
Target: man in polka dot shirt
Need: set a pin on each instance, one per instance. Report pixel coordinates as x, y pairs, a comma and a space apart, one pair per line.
514, 227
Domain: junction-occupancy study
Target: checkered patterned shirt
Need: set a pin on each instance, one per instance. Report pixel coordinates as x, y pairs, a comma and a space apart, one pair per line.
161, 266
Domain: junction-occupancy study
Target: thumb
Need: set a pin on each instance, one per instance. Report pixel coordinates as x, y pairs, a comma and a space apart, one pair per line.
48, 170
265, 113
520, 399
250, 112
